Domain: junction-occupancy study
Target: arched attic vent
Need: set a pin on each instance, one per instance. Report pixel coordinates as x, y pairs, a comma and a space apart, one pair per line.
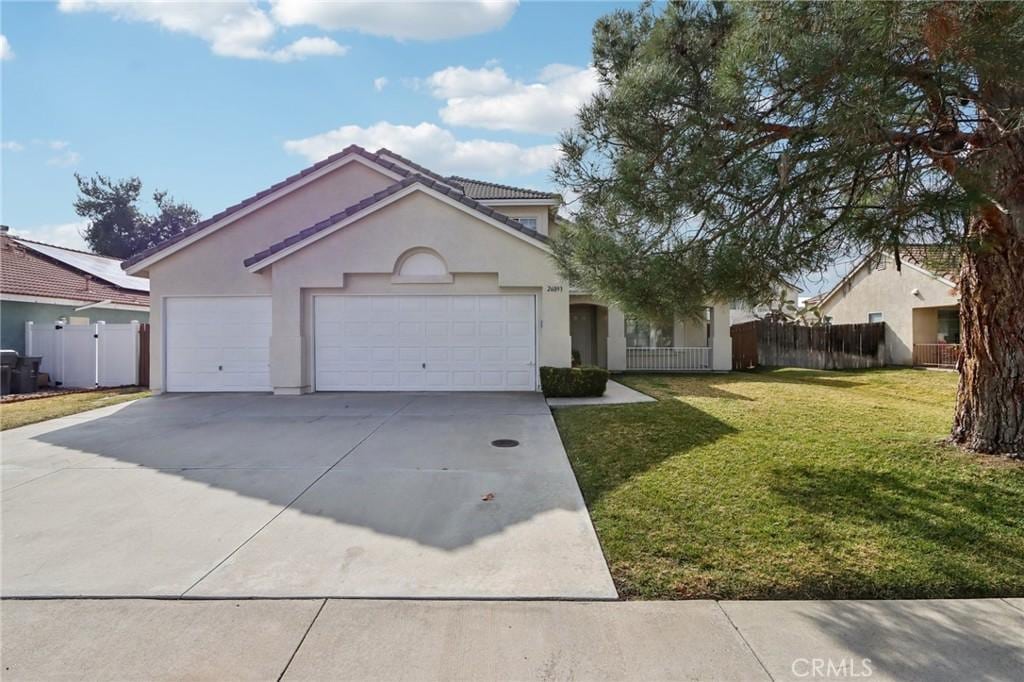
421, 265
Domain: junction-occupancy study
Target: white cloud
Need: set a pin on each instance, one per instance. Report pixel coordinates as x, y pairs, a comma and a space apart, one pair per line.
62, 234
488, 98
309, 47
405, 20
232, 28
434, 147
380, 83
64, 159
11, 146
63, 156
5, 48
458, 81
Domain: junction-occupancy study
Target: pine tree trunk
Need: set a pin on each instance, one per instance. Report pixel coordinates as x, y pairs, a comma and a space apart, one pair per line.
990, 397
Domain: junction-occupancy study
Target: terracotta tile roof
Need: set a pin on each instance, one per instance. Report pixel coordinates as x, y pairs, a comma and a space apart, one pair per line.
938, 259
28, 273
380, 196
481, 189
351, 149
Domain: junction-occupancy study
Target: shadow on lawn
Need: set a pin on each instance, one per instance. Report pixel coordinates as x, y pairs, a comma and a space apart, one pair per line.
968, 524
605, 458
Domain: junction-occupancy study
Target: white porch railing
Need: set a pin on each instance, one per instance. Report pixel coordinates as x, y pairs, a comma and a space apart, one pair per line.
936, 354
673, 359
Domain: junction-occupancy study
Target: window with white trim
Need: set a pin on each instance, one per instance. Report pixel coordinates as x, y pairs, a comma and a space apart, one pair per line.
644, 334
875, 317
528, 223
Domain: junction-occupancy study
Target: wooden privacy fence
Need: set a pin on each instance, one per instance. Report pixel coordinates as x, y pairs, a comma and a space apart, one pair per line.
744, 345
841, 346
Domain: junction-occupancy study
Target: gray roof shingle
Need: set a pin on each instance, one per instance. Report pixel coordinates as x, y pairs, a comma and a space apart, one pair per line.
422, 170
486, 191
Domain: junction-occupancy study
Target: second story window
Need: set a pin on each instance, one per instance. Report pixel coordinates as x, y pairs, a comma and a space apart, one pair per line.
528, 223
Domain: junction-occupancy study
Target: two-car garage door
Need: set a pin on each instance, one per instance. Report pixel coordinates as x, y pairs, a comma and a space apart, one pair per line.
424, 343
362, 343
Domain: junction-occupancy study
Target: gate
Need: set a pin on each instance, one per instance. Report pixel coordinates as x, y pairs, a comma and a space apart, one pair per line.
86, 355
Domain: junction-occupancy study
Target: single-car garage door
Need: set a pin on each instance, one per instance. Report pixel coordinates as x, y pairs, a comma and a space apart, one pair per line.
425, 343
217, 343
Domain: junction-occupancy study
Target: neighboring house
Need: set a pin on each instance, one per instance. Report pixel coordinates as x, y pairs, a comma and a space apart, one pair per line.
743, 311
366, 271
45, 284
920, 305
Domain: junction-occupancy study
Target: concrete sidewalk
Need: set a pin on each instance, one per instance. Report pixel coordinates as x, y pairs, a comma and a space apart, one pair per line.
331, 639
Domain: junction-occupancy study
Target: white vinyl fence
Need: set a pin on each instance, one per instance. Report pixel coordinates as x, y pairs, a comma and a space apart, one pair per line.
669, 359
86, 355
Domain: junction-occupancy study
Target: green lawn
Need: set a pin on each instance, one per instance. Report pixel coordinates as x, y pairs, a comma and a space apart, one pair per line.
24, 412
796, 484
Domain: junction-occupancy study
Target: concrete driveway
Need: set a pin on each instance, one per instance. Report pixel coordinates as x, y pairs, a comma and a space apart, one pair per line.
242, 495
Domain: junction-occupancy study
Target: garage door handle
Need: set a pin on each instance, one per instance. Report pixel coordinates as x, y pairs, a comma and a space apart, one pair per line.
220, 368
424, 365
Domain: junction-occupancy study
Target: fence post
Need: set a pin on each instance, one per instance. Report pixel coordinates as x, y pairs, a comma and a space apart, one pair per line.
96, 353
135, 348
58, 345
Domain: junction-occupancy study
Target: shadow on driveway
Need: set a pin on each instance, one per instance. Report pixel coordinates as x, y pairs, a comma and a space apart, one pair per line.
418, 468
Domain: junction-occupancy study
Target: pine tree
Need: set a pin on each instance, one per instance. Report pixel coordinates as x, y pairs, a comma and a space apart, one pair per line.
117, 227
732, 145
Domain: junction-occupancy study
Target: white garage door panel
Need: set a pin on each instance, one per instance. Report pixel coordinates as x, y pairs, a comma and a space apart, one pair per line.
423, 343
218, 344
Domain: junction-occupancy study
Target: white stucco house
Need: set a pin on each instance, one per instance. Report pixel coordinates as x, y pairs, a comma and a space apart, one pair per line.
367, 271
741, 311
919, 304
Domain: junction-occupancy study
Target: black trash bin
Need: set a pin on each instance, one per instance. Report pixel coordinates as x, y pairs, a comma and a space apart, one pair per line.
8, 361
25, 376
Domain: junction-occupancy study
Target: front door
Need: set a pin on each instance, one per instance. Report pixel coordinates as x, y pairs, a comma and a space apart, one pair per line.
583, 330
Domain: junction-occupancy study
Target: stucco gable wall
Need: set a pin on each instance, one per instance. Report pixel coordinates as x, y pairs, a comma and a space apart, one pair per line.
213, 265
890, 293
360, 258
218, 256
374, 243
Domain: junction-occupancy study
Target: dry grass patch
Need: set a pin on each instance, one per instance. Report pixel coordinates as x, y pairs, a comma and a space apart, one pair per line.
25, 412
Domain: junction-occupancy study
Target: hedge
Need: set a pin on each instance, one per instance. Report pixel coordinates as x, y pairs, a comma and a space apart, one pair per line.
573, 382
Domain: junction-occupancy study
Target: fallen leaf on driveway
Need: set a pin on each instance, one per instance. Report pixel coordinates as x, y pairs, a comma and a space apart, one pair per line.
488, 497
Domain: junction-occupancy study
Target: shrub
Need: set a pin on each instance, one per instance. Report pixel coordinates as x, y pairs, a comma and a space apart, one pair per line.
573, 382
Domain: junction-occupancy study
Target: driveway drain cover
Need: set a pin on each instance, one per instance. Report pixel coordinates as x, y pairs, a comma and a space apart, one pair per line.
504, 443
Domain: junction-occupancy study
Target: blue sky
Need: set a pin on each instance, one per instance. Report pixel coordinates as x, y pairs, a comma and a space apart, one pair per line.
215, 101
